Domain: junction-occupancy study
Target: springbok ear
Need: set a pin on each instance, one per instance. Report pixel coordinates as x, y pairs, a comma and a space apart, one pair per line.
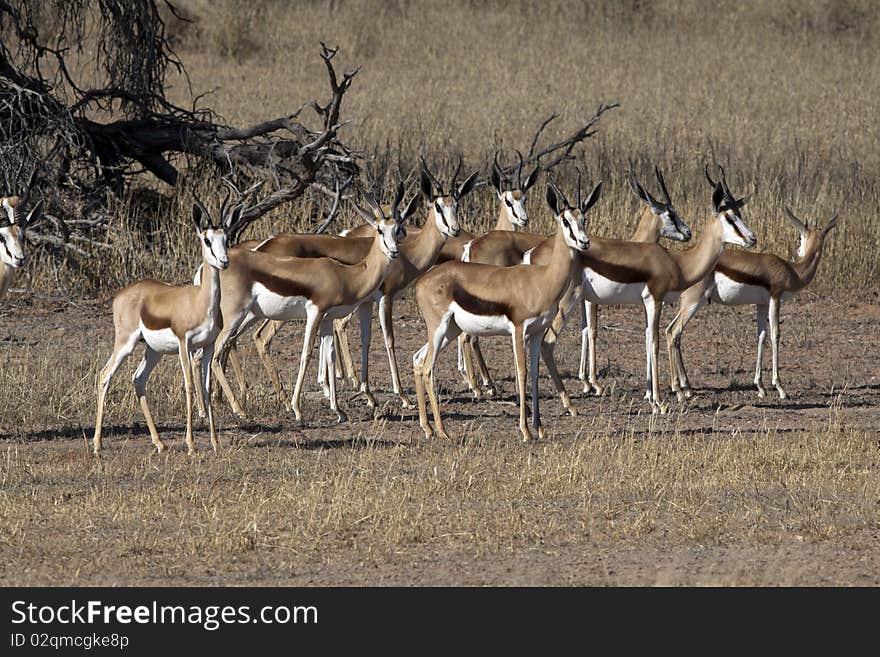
411, 207
366, 215
532, 179
638, 190
425, 184
592, 198
198, 213
35, 215
467, 186
717, 197
553, 200
801, 226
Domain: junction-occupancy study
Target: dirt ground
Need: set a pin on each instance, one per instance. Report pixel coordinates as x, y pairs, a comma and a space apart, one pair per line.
794, 496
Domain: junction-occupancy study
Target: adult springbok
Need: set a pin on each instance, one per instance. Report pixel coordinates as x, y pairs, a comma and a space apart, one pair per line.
518, 301
417, 256
631, 273
658, 219
181, 319
259, 285
13, 227
760, 279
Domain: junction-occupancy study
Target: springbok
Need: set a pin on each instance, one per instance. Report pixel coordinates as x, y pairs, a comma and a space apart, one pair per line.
658, 219
418, 256
260, 285
518, 301
760, 279
180, 319
13, 226
631, 273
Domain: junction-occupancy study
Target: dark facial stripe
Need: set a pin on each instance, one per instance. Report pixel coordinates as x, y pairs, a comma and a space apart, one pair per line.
735, 227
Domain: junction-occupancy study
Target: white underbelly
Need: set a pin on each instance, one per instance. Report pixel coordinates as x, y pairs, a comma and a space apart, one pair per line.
270, 305
732, 293
480, 324
164, 341
599, 289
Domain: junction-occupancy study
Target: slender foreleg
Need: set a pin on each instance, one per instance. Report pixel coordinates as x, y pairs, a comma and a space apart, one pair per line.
312, 321
774, 344
519, 361
761, 329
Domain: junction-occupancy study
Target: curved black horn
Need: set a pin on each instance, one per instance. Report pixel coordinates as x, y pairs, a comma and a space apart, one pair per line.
455, 176
519, 169
398, 197
560, 195
662, 184
432, 177
709, 178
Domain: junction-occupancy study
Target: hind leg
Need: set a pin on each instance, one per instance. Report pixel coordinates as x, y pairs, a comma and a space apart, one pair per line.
325, 330
120, 353
141, 375
205, 389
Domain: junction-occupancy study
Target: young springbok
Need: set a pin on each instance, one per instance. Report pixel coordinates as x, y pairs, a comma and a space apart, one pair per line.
518, 301
760, 279
181, 319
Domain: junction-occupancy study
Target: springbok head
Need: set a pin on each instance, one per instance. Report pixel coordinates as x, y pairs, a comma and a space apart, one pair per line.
214, 233
391, 227
672, 225
572, 218
812, 237
513, 193
728, 210
15, 219
444, 200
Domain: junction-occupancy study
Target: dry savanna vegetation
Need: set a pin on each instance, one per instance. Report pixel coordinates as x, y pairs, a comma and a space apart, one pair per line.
725, 489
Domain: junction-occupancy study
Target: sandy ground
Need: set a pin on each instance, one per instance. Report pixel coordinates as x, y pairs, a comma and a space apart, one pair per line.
829, 365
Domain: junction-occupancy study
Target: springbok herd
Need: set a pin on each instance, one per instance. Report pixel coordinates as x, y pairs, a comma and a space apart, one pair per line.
505, 282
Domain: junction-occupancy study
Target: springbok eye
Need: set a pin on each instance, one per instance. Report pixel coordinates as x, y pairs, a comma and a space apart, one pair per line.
2, 238
565, 221
207, 241
439, 207
507, 202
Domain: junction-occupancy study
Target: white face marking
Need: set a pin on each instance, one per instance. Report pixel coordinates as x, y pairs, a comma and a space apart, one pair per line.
214, 248
573, 230
391, 234
446, 215
515, 208
11, 247
802, 245
735, 230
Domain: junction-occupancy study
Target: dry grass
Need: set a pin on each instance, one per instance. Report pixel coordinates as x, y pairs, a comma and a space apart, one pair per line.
783, 93
255, 513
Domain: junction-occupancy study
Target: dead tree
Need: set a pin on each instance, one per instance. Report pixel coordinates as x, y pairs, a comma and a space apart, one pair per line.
91, 140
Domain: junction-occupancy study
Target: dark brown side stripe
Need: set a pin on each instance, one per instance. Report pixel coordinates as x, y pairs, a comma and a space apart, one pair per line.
741, 277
